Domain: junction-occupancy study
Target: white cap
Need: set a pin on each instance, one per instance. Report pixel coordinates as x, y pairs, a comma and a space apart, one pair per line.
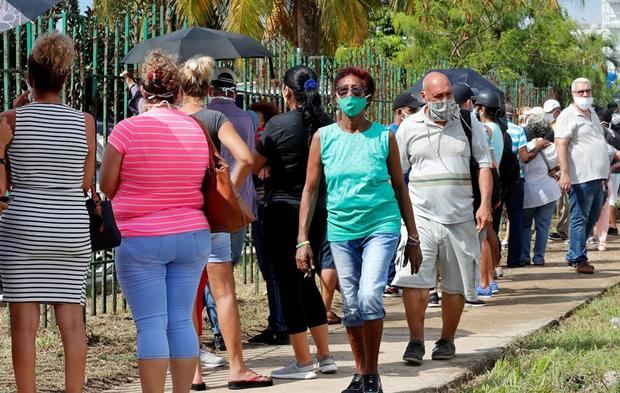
535, 113
551, 105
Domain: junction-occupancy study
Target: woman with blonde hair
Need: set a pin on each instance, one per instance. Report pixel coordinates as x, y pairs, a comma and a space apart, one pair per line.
153, 169
195, 76
44, 235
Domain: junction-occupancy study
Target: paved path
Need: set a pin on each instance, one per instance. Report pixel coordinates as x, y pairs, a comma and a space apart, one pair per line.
530, 298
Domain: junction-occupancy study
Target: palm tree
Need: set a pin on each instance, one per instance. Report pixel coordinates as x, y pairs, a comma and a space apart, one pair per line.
312, 25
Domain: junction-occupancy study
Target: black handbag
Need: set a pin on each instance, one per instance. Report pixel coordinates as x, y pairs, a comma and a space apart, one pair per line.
104, 233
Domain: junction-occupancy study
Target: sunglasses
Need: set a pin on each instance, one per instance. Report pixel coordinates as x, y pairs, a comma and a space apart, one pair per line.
582, 92
357, 91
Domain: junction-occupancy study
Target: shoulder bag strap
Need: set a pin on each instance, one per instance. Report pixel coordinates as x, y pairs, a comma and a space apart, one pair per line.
215, 159
466, 124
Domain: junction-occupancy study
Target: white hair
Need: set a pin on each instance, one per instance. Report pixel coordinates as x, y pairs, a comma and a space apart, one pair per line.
579, 80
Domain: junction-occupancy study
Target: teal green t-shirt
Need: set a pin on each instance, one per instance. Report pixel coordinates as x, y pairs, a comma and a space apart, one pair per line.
360, 198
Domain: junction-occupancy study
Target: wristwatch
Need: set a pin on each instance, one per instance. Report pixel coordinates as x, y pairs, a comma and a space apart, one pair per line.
2, 162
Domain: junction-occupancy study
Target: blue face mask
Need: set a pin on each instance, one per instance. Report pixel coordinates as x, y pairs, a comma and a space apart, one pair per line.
352, 106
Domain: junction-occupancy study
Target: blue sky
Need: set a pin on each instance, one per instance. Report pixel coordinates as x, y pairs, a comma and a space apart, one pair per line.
589, 14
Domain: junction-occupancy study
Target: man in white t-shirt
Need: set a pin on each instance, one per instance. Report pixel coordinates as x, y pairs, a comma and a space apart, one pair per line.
584, 167
433, 144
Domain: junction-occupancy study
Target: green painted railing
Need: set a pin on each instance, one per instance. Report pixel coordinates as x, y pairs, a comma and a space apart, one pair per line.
95, 86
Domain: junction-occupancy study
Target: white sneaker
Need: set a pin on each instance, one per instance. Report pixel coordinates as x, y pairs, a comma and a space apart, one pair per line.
499, 271
327, 365
210, 360
295, 371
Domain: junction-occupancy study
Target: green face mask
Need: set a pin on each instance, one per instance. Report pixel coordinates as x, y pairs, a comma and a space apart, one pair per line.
352, 105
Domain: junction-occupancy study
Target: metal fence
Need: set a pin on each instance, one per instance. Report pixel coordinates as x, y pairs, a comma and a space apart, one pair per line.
95, 86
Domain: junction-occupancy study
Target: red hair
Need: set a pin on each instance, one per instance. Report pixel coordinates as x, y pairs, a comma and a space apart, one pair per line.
268, 109
368, 81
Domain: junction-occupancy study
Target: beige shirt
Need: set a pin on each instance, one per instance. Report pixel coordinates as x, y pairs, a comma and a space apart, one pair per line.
587, 149
440, 182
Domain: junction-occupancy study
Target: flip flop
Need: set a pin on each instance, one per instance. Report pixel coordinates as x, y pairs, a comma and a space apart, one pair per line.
257, 381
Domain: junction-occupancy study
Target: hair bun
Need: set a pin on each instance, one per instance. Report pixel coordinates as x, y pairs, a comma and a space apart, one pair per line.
310, 84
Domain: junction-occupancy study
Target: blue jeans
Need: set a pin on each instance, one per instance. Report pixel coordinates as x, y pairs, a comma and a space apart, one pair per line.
159, 276
362, 266
586, 201
237, 240
541, 216
276, 313
513, 199
209, 302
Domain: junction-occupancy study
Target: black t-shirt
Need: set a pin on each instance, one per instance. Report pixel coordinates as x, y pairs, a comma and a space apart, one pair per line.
286, 144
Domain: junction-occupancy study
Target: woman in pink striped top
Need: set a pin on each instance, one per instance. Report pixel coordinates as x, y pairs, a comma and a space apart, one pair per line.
152, 170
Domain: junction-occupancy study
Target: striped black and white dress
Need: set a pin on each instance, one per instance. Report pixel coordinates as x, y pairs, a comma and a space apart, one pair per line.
44, 234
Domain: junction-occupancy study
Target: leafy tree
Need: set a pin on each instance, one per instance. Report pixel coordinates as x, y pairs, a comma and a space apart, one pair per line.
512, 40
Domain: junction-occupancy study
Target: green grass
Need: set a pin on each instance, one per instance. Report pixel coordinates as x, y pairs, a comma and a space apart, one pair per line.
582, 354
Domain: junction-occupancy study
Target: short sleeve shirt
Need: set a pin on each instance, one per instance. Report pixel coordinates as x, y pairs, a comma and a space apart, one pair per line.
440, 180
165, 157
587, 148
519, 140
496, 141
213, 121
285, 143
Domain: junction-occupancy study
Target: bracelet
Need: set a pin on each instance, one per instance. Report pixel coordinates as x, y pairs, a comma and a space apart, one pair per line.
412, 241
304, 243
2, 162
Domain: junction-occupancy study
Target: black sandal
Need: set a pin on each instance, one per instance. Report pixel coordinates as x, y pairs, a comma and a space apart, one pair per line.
257, 381
199, 387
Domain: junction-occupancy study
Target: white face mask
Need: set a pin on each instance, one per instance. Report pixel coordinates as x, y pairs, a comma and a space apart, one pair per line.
583, 103
549, 117
442, 110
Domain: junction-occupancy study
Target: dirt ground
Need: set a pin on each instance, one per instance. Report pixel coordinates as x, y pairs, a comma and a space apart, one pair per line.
111, 346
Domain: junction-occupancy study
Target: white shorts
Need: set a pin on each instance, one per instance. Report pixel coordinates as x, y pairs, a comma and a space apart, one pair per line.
454, 249
220, 248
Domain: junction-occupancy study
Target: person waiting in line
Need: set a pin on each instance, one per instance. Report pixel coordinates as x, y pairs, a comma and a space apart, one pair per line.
195, 78
487, 106
44, 233
154, 180
222, 99
541, 190
601, 229
366, 199
136, 101
614, 181
578, 134
434, 144
403, 106
275, 333
552, 110
284, 147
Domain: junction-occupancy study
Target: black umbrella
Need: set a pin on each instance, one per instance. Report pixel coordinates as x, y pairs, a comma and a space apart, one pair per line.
199, 41
14, 13
462, 75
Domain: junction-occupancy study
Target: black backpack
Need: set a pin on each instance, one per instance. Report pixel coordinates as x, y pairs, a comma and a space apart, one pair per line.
509, 168
474, 167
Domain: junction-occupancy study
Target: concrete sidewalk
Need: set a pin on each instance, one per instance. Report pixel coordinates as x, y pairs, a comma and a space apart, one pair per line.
529, 298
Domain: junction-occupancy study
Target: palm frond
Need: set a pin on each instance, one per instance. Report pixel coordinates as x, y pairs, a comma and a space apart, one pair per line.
248, 17
197, 12
345, 22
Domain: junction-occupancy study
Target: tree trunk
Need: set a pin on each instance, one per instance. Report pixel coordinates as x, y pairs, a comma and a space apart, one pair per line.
307, 24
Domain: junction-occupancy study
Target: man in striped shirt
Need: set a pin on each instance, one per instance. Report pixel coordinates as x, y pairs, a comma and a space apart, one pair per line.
433, 144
